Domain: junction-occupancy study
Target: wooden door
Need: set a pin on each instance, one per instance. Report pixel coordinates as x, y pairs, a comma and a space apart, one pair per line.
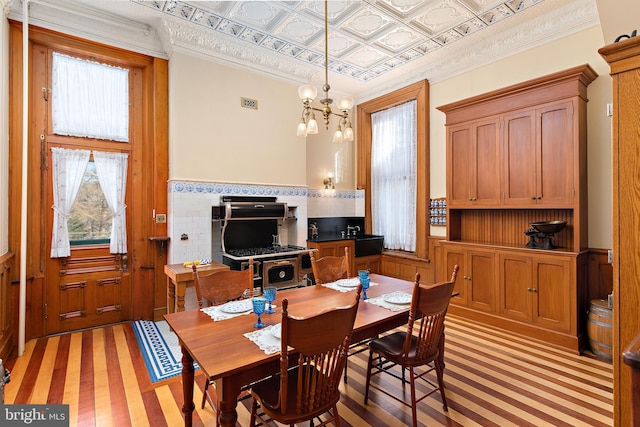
554, 175
481, 287
91, 287
552, 293
519, 158
515, 283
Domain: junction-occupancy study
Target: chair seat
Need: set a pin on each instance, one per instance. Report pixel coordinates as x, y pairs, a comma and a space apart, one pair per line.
391, 346
267, 393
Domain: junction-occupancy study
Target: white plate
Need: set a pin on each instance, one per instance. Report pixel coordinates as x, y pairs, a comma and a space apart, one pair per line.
399, 298
348, 283
276, 331
235, 307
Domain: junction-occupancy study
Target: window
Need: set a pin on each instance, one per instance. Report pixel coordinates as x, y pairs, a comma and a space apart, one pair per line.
82, 107
393, 176
90, 219
418, 92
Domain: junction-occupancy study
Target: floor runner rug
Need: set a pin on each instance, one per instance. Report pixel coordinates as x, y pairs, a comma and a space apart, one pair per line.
160, 349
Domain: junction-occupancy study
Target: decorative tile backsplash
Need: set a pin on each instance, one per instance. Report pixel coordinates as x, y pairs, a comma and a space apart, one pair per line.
189, 212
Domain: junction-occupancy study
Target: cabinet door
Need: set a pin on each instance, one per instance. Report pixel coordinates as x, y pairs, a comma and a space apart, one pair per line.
453, 256
519, 158
474, 159
555, 153
515, 281
481, 280
460, 153
485, 184
552, 284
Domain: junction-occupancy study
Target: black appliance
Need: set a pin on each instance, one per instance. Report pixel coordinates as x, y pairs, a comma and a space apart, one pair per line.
250, 232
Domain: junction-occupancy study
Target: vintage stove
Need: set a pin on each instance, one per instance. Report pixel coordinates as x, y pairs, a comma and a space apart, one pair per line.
250, 234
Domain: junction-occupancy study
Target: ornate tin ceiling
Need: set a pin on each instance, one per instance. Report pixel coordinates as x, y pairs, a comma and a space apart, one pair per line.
371, 43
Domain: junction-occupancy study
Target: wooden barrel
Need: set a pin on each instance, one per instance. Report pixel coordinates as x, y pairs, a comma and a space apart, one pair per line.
599, 329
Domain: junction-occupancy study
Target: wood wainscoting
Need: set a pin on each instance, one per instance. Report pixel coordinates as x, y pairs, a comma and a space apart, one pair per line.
7, 337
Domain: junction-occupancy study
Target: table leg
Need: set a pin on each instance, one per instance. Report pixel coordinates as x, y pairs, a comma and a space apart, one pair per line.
187, 387
181, 291
171, 296
228, 391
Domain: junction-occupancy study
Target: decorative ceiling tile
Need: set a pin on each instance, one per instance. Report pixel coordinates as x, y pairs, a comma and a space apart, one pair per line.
497, 14
399, 39
470, 26
339, 44
300, 29
447, 37
402, 8
257, 14
478, 7
440, 17
365, 57
367, 23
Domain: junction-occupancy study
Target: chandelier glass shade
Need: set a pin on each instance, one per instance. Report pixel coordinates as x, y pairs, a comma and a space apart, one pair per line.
307, 93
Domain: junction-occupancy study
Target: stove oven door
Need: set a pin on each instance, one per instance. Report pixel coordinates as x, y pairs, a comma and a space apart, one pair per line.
281, 273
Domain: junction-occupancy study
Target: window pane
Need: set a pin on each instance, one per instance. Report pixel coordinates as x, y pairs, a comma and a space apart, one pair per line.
90, 219
89, 99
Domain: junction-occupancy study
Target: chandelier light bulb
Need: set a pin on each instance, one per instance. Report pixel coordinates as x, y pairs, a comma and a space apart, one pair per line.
348, 133
345, 103
302, 128
337, 137
307, 92
312, 126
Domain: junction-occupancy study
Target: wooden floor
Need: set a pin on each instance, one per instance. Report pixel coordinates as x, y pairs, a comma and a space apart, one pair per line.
492, 379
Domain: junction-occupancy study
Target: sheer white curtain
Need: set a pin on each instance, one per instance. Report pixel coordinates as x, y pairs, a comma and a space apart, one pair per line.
81, 107
68, 167
112, 175
393, 175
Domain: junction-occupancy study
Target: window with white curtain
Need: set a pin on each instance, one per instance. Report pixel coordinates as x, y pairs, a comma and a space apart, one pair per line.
393, 175
89, 99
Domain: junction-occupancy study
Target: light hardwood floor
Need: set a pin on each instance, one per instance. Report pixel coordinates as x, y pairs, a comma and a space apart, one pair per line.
492, 379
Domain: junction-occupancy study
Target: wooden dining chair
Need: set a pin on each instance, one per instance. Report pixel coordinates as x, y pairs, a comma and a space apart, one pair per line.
331, 268
420, 345
308, 388
222, 286
217, 288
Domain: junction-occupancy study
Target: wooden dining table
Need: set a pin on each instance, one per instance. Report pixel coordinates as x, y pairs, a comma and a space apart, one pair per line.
225, 355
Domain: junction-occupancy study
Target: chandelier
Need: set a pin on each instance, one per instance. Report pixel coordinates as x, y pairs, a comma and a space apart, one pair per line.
307, 93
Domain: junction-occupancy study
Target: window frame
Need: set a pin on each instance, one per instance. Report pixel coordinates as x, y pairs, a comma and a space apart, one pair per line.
420, 93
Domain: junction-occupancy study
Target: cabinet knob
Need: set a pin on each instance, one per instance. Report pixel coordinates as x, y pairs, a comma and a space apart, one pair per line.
534, 290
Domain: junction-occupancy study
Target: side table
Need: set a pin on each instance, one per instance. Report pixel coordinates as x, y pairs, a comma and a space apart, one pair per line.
178, 276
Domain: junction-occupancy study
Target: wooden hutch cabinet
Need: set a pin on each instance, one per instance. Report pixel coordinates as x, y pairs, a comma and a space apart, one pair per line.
516, 156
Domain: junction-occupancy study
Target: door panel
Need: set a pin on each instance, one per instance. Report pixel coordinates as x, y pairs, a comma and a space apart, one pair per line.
519, 158
515, 286
482, 284
89, 289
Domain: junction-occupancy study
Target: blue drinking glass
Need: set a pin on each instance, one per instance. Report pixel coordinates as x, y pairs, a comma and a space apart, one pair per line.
364, 280
270, 295
258, 308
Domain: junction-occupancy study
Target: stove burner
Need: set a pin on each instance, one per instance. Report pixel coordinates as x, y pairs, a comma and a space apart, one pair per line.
274, 249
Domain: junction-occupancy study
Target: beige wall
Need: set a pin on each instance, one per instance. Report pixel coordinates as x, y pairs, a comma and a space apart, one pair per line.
618, 17
212, 138
579, 48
